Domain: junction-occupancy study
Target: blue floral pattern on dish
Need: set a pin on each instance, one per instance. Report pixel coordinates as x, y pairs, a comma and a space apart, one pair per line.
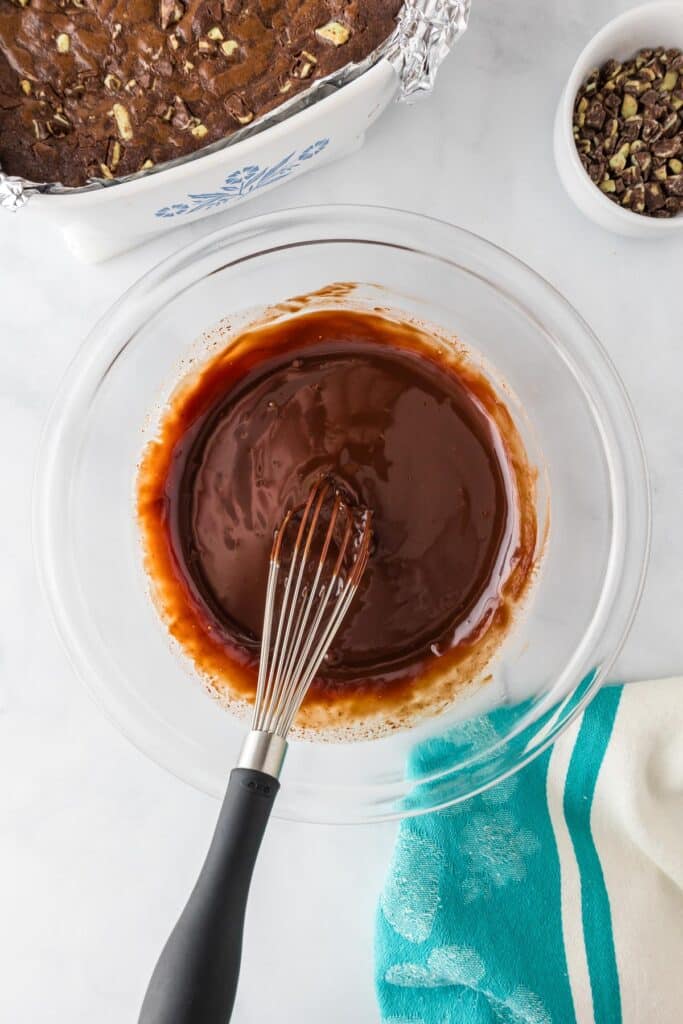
244, 182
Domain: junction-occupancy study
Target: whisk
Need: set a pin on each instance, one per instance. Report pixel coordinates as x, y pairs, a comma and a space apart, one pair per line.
318, 557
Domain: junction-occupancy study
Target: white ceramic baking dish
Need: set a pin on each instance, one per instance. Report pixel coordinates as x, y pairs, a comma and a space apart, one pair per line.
99, 221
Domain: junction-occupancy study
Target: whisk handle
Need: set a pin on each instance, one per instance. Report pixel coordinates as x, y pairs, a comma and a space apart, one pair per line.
195, 979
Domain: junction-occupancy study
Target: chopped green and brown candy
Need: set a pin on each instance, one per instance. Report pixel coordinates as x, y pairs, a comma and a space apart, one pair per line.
628, 130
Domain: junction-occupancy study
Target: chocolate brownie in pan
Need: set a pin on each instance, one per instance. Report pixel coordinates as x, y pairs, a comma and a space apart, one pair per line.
105, 88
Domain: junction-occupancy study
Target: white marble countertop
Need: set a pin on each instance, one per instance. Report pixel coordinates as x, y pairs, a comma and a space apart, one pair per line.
99, 846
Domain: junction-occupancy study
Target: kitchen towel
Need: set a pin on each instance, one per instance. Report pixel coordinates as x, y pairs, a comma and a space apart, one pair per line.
556, 896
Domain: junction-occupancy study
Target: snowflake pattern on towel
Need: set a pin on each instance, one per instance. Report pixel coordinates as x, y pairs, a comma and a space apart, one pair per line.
410, 898
463, 968
495, 850
490, 848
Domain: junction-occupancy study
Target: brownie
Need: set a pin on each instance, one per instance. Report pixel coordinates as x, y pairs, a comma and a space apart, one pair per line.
105, 88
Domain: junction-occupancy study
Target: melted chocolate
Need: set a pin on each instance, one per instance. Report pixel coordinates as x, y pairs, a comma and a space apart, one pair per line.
399, 431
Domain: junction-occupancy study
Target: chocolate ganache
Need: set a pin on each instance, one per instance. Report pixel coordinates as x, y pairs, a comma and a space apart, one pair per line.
400, 429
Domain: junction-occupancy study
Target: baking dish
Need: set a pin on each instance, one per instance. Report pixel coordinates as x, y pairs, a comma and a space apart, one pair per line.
102, 219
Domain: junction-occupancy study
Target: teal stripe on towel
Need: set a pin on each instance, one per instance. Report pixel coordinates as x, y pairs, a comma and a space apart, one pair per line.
584, 767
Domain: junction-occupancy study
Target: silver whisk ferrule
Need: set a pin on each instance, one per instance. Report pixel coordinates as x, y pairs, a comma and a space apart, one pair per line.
264, 752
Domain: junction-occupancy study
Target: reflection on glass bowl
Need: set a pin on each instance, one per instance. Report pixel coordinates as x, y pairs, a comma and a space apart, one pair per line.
569, 407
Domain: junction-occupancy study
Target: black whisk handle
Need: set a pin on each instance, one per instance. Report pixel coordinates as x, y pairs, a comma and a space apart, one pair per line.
195, 979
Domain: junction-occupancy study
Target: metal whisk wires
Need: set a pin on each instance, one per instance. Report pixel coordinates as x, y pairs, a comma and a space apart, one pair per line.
308, 594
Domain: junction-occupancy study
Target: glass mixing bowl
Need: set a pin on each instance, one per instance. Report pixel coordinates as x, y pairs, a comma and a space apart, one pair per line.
567, 402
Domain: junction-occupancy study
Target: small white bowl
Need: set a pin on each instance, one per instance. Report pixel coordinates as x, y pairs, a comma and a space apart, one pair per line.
652, 24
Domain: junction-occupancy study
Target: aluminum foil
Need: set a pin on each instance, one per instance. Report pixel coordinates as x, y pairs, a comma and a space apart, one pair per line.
427, 29
424, 35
